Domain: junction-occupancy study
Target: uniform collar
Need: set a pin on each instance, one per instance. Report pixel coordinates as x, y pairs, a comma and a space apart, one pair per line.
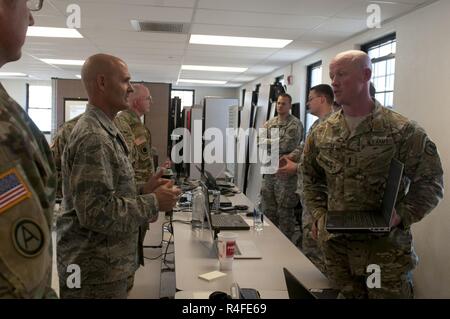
133, 116
374, 122
103, 119
288, 119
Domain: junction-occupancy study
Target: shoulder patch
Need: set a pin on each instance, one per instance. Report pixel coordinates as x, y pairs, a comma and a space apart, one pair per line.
430, 148
13, 189
28, 237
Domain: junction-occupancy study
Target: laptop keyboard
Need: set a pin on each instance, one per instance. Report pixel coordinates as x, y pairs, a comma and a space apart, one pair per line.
360, 219
229, 221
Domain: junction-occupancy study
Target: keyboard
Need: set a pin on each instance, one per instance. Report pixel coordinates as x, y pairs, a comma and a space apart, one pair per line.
229, 222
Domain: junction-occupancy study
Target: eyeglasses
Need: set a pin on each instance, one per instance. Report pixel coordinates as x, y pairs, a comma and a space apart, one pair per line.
149, 98
35, 5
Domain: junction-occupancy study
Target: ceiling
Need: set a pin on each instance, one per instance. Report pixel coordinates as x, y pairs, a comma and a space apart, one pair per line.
157, 56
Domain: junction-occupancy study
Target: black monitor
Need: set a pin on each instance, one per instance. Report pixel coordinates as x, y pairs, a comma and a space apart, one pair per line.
295, 288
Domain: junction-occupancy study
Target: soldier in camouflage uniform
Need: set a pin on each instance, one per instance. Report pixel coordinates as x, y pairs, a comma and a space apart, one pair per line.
345, 168
102, 208
27, 179
136, 134
278, 197
57, 148
139, 142
320, 104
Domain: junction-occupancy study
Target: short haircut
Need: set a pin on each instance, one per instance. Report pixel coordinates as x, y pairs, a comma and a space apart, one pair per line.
286, 96
324, 90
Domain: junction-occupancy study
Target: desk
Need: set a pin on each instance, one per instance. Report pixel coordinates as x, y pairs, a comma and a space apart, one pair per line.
205, 294
266, 274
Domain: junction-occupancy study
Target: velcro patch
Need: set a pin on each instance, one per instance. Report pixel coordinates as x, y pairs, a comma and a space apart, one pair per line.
12, 190
139, 140
28, 238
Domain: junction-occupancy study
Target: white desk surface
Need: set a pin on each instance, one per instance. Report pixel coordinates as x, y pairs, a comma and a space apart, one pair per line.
273, 294
193, 258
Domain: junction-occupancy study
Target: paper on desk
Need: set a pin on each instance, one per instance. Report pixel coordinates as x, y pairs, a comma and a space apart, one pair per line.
249, 221
201, 295
211, 275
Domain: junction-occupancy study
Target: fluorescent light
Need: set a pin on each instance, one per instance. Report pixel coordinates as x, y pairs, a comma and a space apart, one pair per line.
201, 81
53, 32
13, 74
213, 68
63, 62
238, 41
78, 76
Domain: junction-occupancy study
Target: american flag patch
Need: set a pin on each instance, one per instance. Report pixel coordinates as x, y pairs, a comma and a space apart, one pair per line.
12, 190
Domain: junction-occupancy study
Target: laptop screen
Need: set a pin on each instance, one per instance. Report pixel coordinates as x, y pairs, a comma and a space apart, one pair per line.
295, 288
391, 191
208, 211
209, 179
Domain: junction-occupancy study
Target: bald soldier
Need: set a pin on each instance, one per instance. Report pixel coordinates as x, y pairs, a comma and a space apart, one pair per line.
102, 208
345, 168
27, 177
139, 142
136, 134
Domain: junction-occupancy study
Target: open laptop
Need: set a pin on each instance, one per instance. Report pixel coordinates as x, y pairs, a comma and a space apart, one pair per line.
245, 249
224, 221
211, 183
296, 290
379, 221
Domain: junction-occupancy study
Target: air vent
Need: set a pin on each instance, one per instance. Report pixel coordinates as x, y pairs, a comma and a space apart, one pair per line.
147, 26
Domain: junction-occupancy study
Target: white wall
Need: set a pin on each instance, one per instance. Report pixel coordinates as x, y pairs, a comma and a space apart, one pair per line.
17, 89
421, 93
202, 91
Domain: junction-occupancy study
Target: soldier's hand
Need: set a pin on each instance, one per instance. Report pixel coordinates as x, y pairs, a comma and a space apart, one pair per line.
167, 196
396, 219
154, 182
287, 167
167, 164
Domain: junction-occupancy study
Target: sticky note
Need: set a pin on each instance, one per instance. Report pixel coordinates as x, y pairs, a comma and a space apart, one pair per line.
209, 276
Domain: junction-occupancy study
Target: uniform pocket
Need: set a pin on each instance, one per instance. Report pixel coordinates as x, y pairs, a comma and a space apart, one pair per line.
329, 164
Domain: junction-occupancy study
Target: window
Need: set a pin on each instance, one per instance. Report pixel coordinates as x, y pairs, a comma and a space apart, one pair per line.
186, 96
382, 53
314, 77
39, 106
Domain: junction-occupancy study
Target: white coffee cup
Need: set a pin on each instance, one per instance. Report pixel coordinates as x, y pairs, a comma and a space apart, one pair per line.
226, 244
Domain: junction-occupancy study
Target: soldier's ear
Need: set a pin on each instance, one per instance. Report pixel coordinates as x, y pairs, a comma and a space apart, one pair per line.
101, 82
367, 74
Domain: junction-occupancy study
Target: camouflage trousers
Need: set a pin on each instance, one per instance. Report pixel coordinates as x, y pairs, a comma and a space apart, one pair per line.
279, 201
310, 247
110, 290
347, 258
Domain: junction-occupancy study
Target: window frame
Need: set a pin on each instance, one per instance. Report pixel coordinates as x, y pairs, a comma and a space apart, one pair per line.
27, 107
366, 47
309, 70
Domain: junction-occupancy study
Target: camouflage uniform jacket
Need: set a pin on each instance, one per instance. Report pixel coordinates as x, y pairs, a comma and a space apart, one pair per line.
27, 194
139, 142
290, 133
57, 147
349, 173
102, 210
